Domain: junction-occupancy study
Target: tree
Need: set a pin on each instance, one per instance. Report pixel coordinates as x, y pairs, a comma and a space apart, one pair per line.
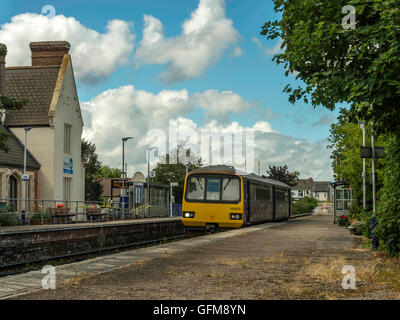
388, 206
8, 104
358, 66
171, 169
281, 173
93, 187
345, 141
107, 172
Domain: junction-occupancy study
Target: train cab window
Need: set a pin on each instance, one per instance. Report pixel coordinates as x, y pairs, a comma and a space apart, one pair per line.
230, 189
195, 189
213, 189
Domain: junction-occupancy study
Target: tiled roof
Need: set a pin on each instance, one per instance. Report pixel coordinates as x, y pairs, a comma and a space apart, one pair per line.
304, 184
309, 184
322, 186
15, 155
35, 84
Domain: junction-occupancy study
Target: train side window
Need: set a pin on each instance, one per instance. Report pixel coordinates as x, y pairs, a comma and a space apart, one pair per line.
213, 189
262, 193
230, 189
195, 190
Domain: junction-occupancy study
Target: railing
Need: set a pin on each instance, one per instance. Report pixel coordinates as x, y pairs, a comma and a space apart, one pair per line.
40, 211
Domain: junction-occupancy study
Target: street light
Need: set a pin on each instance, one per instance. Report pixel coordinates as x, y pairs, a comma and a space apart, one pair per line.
362, 126
123, 176
148, 173
25, 177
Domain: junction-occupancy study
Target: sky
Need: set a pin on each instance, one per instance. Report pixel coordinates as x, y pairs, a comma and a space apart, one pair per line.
143, 66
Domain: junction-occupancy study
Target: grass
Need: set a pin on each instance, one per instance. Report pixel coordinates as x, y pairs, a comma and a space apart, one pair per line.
277, 259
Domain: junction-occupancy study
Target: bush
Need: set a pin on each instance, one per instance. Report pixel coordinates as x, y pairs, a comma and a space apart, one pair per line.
9, 219
7, 209
304, 205
343, 220
388, 207
39, 216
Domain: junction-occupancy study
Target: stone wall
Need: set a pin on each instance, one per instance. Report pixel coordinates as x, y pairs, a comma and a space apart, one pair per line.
32, 245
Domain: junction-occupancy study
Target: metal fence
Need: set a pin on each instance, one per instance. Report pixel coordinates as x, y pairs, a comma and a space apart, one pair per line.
38, 211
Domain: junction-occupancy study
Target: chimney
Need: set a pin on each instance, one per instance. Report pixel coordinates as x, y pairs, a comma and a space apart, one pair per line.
3, 53
48, 53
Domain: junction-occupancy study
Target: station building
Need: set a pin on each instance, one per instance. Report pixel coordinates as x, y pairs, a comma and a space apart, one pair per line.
53, 111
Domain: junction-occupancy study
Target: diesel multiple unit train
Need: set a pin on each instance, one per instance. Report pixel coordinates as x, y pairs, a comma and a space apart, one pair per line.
223, 197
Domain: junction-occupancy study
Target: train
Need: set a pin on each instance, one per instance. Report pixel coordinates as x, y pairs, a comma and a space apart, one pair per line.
222, 197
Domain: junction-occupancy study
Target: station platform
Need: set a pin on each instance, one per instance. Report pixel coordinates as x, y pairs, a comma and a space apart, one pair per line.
47, 227
29, 244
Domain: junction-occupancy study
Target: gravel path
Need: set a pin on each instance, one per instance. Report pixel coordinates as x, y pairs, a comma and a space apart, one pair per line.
300, 259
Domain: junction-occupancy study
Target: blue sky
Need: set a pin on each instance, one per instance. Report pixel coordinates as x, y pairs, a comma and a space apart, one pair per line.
252, 75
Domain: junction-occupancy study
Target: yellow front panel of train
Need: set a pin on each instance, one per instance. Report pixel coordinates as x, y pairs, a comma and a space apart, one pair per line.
216, 199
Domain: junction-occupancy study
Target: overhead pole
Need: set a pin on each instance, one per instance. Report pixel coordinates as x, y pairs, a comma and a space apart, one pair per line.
362, 125
374, 239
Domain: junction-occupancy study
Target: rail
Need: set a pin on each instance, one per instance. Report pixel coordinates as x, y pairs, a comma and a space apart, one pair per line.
42, 211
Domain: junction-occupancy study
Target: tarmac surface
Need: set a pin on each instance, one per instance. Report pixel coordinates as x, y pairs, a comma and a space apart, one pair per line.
302, 258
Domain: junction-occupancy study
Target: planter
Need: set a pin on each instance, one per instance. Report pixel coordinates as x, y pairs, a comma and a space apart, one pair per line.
39, 221
356, 229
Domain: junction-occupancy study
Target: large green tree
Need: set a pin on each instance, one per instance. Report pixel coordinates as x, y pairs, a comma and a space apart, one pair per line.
107, 172
359, 66
93, 187
171, 169
281, 173
388, 206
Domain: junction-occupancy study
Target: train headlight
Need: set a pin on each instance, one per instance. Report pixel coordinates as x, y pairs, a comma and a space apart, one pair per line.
188, 214
236, 216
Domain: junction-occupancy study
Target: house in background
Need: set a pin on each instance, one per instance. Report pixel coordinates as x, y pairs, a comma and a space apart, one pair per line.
321, 190
12, 167
54, 112
304, 188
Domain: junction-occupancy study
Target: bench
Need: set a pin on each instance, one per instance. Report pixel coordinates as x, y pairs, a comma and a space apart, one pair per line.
95, 214
61, 213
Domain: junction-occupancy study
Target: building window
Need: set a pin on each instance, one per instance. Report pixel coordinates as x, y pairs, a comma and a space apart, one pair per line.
300, 193
67, 138
67, 183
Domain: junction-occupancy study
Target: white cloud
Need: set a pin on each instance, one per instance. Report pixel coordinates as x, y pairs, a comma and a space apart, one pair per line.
205, 36
126, 111
94, 55
237, 52
324, 120
268, 51
220, 105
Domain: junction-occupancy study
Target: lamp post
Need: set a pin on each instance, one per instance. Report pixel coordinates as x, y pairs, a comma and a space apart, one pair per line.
148, 173
362, 126
24, 177
123, 176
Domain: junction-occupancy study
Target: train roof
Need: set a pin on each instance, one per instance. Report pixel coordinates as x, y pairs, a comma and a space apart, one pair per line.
232, 170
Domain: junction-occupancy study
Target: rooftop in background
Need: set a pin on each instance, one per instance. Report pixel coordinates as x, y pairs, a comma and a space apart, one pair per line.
15, 155
310, 184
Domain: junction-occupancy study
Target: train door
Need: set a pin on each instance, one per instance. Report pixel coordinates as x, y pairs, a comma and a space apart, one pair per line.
273, 202
246, 189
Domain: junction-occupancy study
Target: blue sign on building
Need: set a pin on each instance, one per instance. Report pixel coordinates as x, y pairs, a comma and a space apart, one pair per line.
68, 165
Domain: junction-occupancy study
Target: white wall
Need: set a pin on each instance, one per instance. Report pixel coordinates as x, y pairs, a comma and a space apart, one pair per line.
68, 111
41, 145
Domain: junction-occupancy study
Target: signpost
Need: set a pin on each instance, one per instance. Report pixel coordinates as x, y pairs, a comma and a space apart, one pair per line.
171, 184
366, 152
